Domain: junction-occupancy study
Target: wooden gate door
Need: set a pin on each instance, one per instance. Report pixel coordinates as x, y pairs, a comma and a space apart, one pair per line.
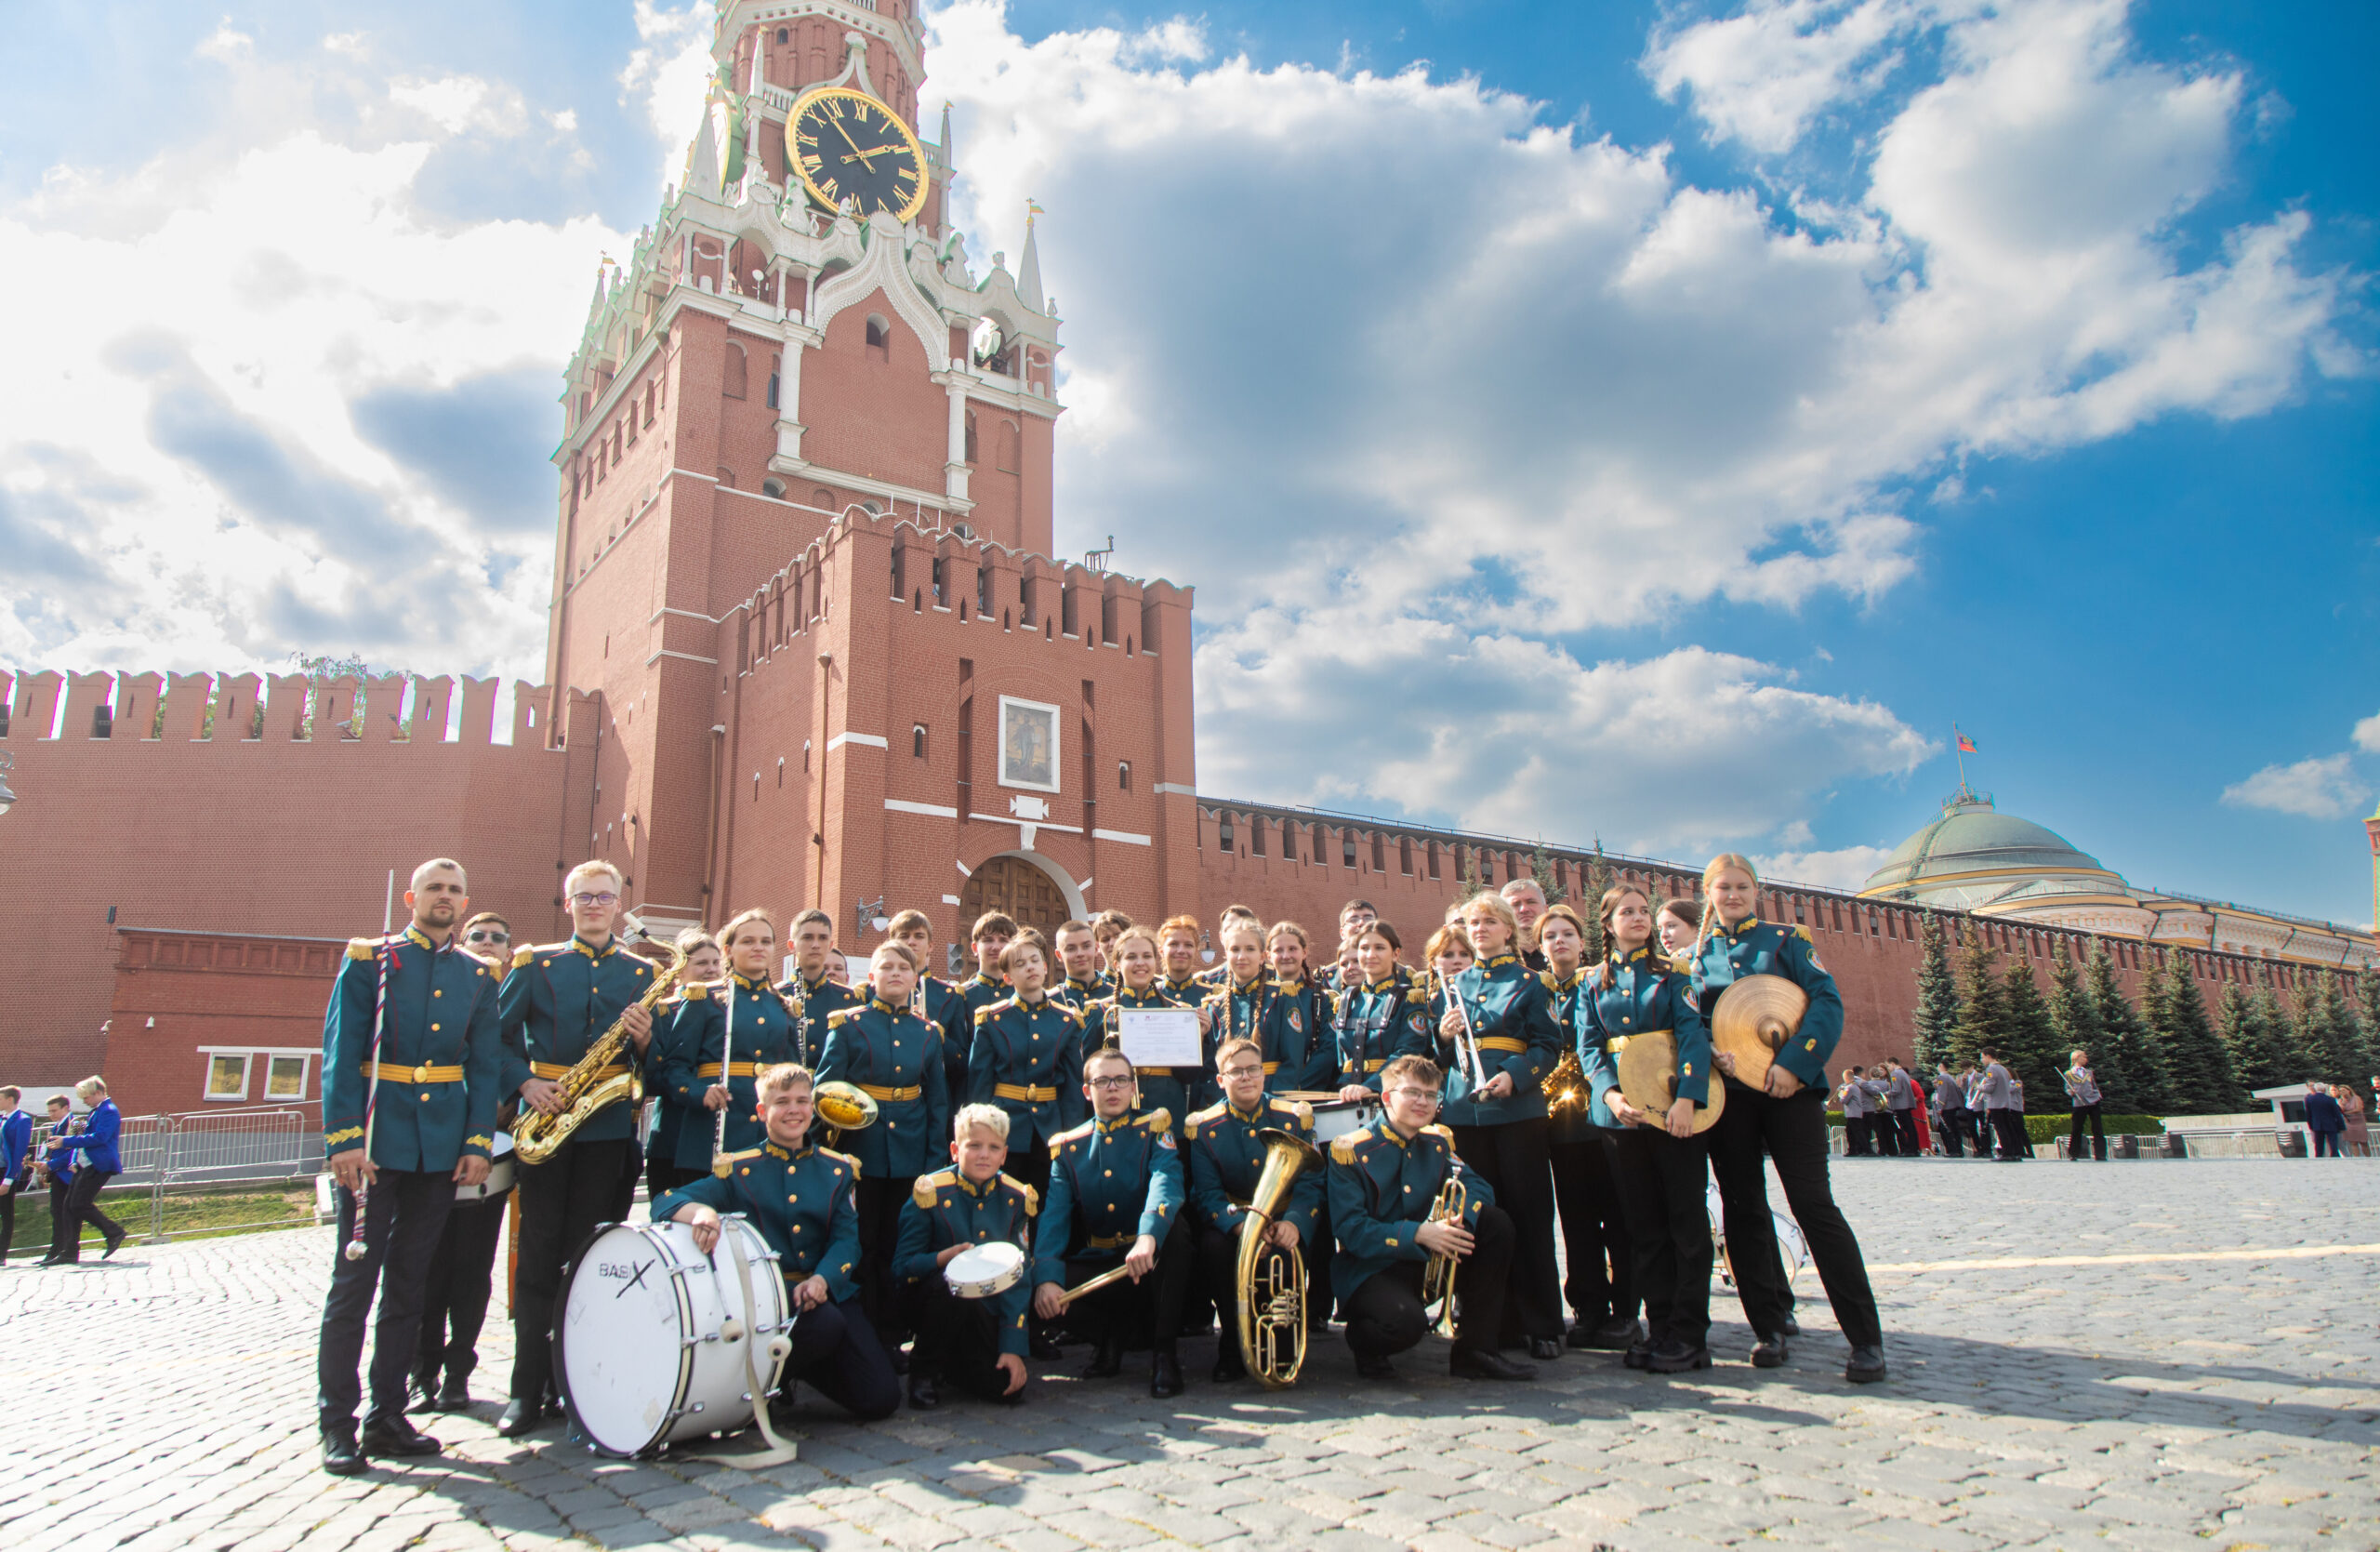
1016, 886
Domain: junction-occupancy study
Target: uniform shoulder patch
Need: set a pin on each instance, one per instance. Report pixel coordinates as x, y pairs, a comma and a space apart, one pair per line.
1343, 1146
1032, 1197
359, 947
1440, 1130
1158, 1121
698, 992
1199, 1117
993, 1010
843, 1159
1074, 1134
923, 1191
740, 1153
836, 1019
1298, 1108
523, 956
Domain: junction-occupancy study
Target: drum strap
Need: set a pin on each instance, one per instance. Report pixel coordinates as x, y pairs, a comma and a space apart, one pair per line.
778, 1452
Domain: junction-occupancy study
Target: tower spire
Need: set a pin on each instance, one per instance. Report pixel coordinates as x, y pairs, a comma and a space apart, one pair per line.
702, 162
1028, 272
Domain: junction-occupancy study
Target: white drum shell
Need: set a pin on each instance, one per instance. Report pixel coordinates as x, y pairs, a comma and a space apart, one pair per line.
1338, 1117
641, 1344
980, 1271
500, 1174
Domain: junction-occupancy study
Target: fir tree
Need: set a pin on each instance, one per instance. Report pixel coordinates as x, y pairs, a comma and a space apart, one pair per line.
1937, 1017
2280, 1036
1540, 868
2071, 1013
2367, 1014
2247, 1031
2197, 1066
1600, 877
2333, 1046
2131, 1077
2031, 1052
1983, 1001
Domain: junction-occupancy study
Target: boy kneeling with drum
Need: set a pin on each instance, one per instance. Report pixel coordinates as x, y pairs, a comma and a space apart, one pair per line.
961, 1259
801, 1199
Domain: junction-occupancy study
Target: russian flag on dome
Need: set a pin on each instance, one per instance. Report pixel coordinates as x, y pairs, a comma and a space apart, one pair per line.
1966, 745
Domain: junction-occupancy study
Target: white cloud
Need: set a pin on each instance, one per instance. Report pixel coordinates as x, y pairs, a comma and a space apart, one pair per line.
459, 104
1762, 75
2367, 735
671, 69
2323, 789
1846, 869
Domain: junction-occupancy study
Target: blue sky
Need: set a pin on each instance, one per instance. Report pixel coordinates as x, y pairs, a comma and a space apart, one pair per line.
1689, 412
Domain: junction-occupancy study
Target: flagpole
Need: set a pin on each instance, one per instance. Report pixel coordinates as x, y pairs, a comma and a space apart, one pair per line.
1958, 753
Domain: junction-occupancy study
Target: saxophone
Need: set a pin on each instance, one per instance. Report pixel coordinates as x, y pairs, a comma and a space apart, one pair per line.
1437, 1273
1272, 1299
537, 1136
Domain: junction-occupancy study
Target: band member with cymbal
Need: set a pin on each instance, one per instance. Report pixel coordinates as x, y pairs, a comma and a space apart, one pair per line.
1500, 1127
1601, 1287
1783, 1121
1085, 979
799, 1196
1380, 1017
701, 1073
558, 1000
895, 1058
1660, 1157
1115, 1194
816, 988
976, 1344
1226, 1157
1383, 1185
705, 966
411, 1057
1027, 1058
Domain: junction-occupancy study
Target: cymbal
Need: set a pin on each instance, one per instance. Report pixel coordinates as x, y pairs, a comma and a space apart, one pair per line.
1648, 1079
1753, 1020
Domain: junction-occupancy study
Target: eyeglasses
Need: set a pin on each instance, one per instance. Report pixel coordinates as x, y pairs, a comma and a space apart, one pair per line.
1111, 1083
583, 901
1416, 1094
485, 936
1239, 1069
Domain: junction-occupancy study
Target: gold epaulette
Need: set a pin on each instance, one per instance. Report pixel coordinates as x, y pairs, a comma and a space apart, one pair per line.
1074, 1134
1682, 964
1298, 1108
359, 947
842, 1159
1442, 1131
1158, 1120
1547, 976
1419, 994
993, 1010
1804, 934
1199, 1117
1032, 1197
1343, 1146
698, 992
724, 1165
523, 955
923, 1191
834, 1020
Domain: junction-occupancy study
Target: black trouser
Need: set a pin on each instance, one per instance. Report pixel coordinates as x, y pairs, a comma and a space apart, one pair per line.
1219, 1277
1792, 1132
2009, 1127
1512, 1158
1880, 1132
1594, 1231
1905, 1132
455, 1295
835, 1353
1985, 1130
879, 1231
83, 1207
62, 1239
1855, 1136
2098, 1134
662, 1175
1954, 1132
958, 1340
1150, 1307
9, 1215
1385, 1314
561, 1200
2326, 1144
1669, 1218
404, 1211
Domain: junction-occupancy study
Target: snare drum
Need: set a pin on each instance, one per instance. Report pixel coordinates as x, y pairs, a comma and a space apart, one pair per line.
1336, 1117
650, 1345
982, 1272
499, 1174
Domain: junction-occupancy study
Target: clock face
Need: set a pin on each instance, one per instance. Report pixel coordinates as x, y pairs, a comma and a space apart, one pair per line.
846, 145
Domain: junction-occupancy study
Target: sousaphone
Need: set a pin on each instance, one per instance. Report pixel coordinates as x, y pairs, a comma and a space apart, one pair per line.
1752, 1021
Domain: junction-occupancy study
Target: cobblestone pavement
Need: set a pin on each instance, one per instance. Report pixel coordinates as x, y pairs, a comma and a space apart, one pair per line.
2148, 1402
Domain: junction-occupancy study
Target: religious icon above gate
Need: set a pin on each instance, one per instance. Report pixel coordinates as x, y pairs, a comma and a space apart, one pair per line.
1029, 744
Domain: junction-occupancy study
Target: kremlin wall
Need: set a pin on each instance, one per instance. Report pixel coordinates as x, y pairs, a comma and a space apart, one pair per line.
807, 644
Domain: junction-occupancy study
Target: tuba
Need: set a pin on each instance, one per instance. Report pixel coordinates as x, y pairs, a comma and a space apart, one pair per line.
537, 1136
1437, 1273
1272, 1289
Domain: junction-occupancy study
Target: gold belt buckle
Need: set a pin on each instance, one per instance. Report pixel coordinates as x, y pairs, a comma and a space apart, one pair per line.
421, 1073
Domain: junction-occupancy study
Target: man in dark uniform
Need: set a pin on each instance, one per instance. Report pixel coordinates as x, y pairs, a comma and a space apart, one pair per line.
799, 1196
1027, 1059
1116, 1191
1383, 1185
977, 1345
559, 1000
988, 940
411, 1057
816, 988
1226, 1159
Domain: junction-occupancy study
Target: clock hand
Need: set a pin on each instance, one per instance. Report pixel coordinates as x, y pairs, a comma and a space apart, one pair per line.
843, 132
862, 157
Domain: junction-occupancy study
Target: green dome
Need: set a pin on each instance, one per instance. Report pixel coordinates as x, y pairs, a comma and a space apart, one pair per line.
1972, 836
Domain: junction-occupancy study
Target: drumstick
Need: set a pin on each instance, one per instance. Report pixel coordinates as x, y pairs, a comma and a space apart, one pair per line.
1093, 1286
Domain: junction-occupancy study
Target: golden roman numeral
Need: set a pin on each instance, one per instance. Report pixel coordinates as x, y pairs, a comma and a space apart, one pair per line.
810, 164
833, 107
826, 185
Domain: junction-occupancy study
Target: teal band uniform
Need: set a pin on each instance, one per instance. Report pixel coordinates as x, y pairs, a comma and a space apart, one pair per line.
441, 1011
1380, 1187
1037, 1048
1227, 1158
1565, 1000
817, 1000
558, 1000
1110, 1182
1758, 947
1291, 1034
1511, 1004
946, 1209
697, 1038
1376, 1024
1626, 996
798, 1199
880, 1046
1171, 1089
957, 1020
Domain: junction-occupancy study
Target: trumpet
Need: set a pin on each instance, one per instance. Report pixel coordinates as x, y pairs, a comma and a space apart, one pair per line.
585, 1088
1437, 1273
1271, 1300
1466, 1045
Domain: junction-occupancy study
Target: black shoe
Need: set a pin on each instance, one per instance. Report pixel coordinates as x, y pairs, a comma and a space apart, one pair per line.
1165, 1374
1369, 1367
924, 1396
1106, 1360
1769, 1353
340, 1457
1867, 1365
1043, 1346
519, 1417
1229, 1366
455, 1396
1675, 1358
421, 1393
1544, 1349
1615, 1335
1788, 1327
1469, 1364
392, 1435
116, 1244
1640, 1353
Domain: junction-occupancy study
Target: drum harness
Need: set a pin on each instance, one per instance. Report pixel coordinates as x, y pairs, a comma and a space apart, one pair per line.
779, 1345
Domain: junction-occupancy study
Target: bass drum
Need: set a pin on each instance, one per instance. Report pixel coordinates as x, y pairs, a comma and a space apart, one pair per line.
651, 1343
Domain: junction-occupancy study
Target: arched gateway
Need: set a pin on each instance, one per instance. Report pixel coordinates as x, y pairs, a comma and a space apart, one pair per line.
1014, 885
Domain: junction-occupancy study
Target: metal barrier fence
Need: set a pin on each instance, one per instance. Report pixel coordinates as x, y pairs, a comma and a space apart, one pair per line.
214, 1147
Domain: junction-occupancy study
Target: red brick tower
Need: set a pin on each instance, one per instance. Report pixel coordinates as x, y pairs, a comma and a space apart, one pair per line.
798, 418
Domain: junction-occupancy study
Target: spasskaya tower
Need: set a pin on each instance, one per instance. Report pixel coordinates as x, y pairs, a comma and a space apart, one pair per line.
804, 541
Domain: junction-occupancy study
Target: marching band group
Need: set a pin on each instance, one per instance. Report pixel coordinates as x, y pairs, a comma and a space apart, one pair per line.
982, 1171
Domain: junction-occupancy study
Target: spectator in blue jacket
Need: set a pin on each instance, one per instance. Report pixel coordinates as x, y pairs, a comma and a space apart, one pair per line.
16, 1162
96, 1162
2324, 1119
57, 1167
